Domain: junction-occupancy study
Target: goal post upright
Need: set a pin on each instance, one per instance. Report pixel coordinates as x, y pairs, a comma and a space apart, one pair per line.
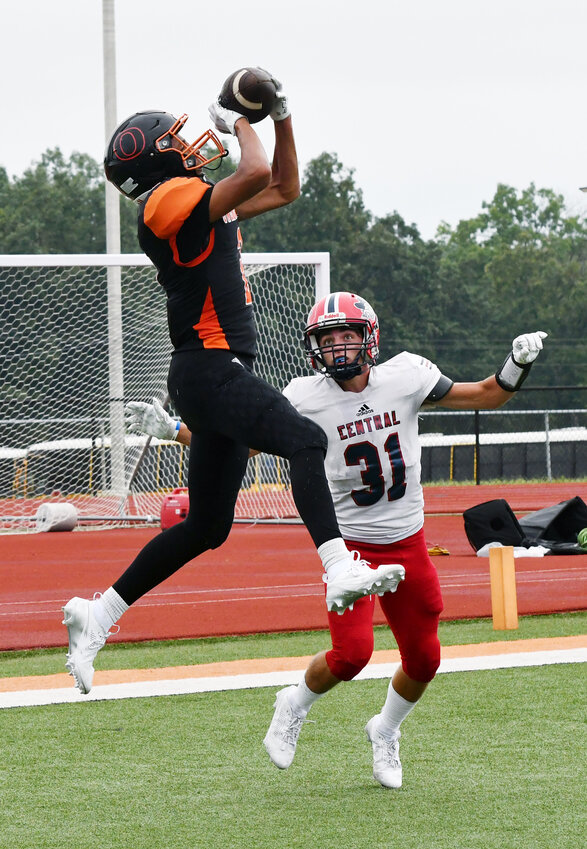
112, 208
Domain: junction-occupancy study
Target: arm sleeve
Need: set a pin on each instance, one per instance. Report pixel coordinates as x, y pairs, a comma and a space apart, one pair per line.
441, 388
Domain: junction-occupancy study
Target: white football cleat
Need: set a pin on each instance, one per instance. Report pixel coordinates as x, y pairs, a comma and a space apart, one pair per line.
282, 737
387, 767
358, 580
86, 638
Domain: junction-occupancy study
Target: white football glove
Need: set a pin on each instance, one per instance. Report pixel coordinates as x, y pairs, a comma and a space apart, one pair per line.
280, 109
223, 119
526, 348
151, 419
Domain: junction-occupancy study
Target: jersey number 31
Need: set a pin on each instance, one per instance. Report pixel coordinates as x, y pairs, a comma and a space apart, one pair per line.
367, 455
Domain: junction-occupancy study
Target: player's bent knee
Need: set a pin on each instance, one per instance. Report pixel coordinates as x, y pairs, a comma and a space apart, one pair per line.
310, 435
217, 536
422, 666
212, 535
317, 438
347, 665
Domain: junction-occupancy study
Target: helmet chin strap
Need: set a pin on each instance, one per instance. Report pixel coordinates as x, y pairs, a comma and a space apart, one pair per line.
346, 371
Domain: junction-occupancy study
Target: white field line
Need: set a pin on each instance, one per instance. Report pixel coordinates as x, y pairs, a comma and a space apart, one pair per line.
526, 575
276, 591
192, 602
147, 689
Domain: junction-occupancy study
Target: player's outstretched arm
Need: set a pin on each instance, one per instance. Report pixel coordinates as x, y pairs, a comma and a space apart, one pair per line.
284, 186
253, 173
496, 390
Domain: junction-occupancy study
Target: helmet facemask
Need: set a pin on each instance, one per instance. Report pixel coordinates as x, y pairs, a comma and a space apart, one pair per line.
348, 359
192, 158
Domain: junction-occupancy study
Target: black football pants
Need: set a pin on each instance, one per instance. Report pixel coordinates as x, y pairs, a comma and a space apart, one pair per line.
228, 410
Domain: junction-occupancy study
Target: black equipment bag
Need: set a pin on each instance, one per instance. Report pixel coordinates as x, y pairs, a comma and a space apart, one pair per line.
556, 527
559, 523
493, 521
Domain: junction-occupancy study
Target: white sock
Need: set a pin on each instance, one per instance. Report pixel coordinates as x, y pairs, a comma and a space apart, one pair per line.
108, 608
335, 556
302, 698
393, 712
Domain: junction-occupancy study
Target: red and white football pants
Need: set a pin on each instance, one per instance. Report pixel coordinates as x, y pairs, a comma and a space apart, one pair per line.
412, 613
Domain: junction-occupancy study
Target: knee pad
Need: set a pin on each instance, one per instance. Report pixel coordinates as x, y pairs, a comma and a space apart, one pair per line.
316, 437
422, 662
308, 435
217, 534
280, 429
347, 663
213, 535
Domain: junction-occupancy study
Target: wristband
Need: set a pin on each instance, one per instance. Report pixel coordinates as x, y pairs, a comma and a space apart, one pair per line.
511, 375
176, 431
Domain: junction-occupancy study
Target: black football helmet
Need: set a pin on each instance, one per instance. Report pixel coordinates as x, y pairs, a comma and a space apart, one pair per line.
341, 310
147, 149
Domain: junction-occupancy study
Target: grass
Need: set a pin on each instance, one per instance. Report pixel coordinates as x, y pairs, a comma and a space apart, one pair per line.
294, 644
491, 759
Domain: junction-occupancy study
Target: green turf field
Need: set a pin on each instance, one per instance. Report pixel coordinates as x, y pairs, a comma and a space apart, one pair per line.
492, 759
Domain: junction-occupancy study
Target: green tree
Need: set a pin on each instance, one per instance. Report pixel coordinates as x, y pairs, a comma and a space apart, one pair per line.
397, 271
57, 206
519, 265
459, 299
329, 216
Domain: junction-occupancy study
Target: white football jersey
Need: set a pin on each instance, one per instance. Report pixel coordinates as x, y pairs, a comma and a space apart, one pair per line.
373, 457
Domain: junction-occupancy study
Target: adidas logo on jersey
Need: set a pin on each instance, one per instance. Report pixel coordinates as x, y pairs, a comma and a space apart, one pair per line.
365, 410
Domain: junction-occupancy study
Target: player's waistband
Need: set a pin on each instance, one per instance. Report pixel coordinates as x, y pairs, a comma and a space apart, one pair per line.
210, 357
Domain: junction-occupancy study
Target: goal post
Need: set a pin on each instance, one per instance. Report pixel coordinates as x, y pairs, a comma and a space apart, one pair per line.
66, 375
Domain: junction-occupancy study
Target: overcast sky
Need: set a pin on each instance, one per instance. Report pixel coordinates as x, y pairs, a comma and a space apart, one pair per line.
432, 103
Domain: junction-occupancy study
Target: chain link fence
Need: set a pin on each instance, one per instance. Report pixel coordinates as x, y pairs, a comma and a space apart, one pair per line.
503, 445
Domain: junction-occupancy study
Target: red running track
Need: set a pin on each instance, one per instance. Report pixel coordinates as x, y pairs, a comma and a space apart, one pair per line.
264, 578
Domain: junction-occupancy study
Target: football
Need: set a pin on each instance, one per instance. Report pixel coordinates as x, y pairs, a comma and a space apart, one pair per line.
250, 92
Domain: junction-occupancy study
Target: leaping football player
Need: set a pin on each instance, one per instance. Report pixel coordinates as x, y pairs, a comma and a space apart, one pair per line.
189, 228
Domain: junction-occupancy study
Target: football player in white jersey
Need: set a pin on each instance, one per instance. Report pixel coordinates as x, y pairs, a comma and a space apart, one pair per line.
370, 417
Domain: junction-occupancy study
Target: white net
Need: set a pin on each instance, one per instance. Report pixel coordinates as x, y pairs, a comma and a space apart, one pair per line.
83, 334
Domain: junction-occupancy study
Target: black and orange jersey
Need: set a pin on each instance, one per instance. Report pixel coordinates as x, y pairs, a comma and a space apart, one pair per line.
199, 265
